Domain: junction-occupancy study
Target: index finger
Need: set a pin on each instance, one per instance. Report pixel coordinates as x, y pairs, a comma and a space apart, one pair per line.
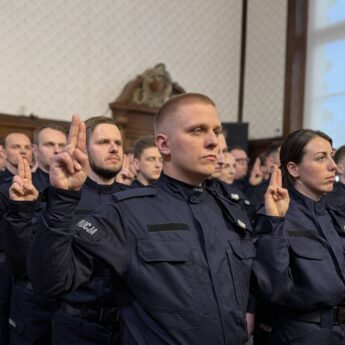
274, 176
27, 170
73, 133
21, 169
279, 177
257, 163
125, 162
81, 140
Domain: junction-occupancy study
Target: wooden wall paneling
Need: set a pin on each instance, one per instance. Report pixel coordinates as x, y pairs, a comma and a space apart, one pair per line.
25, 124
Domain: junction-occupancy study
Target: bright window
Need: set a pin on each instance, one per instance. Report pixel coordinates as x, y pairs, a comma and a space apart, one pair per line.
325, 79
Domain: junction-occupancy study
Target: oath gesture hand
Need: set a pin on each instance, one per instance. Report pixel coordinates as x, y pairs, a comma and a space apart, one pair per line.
22, 188
276, 198
68, 169
125, 176
256, 175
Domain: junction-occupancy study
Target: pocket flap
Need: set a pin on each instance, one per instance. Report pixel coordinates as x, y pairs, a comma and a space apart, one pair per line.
243, 248
163, 250
308, 248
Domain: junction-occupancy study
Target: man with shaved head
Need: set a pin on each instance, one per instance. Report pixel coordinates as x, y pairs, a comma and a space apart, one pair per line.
181, 252
15, 145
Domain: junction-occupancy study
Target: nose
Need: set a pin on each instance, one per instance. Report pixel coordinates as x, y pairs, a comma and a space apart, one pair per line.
221, 158
158, 163
57, 149
332, 165
211, 140
24, 152
113, 147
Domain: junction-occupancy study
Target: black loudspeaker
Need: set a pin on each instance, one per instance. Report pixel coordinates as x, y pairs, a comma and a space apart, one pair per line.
236, 134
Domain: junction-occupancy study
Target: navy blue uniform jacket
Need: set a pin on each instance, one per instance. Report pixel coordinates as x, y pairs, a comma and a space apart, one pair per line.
300, 263
183, 254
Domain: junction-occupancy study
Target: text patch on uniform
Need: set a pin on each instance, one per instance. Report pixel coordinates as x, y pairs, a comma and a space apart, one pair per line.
167, 227
89, 231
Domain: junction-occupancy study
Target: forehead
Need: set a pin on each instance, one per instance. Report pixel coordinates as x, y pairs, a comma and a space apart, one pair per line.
238, 153
106, 130
51, 135
150, 151
17, 138
229, 158
197, 114
318, 144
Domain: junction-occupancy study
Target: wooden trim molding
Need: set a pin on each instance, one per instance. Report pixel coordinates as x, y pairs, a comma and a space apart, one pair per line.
242, 60
296, 52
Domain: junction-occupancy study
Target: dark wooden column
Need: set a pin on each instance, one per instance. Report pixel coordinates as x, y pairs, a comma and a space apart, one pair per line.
296, 52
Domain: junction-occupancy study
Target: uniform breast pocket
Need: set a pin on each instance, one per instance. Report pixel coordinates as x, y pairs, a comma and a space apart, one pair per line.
165, 274
311, 267
307, 248
240, 255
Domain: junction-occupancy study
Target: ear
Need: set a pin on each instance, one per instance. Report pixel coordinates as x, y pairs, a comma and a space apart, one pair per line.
34, 148
162, 144
136, 164
293, 169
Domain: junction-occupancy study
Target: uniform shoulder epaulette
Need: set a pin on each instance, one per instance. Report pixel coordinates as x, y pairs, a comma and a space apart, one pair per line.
135, 193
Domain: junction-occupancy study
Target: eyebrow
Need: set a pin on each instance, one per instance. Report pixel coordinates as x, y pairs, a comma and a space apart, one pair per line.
322, 152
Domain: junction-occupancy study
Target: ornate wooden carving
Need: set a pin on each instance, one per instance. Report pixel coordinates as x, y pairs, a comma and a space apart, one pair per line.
135, 107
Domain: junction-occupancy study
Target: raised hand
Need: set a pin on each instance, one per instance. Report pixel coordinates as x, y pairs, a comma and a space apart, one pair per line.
68, 169
256, 175
22, 188
125, 176
277, 199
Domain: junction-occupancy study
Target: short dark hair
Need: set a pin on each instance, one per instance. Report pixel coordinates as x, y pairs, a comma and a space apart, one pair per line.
237, 147
173, 105
273, 148
38, 130
339, 154
94, 121
143, 143
292, 150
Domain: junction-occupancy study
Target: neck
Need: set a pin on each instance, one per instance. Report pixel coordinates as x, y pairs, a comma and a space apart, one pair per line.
188, 178
43, 168
143, 180
99, 179
11, 168
313, 195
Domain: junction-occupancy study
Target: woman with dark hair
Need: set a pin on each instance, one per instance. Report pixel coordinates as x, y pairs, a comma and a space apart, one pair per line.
300, 265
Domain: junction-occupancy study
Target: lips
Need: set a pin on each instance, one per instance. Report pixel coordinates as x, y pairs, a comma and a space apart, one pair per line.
211, 157
330, 179
113, 159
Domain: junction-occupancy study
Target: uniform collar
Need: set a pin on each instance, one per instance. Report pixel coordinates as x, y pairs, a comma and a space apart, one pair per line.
101, 188
181, 190
310, 205
137, 184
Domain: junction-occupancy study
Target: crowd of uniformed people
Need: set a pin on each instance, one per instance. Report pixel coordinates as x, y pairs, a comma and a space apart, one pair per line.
174, 242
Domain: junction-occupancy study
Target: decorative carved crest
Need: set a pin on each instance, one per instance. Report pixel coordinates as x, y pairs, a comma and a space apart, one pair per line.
151, 88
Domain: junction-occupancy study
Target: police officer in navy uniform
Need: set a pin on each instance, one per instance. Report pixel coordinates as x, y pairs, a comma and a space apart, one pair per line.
231, 192
30, 316
147, 161
300, 264
336, 198
89, 314
182, 253
15, 144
